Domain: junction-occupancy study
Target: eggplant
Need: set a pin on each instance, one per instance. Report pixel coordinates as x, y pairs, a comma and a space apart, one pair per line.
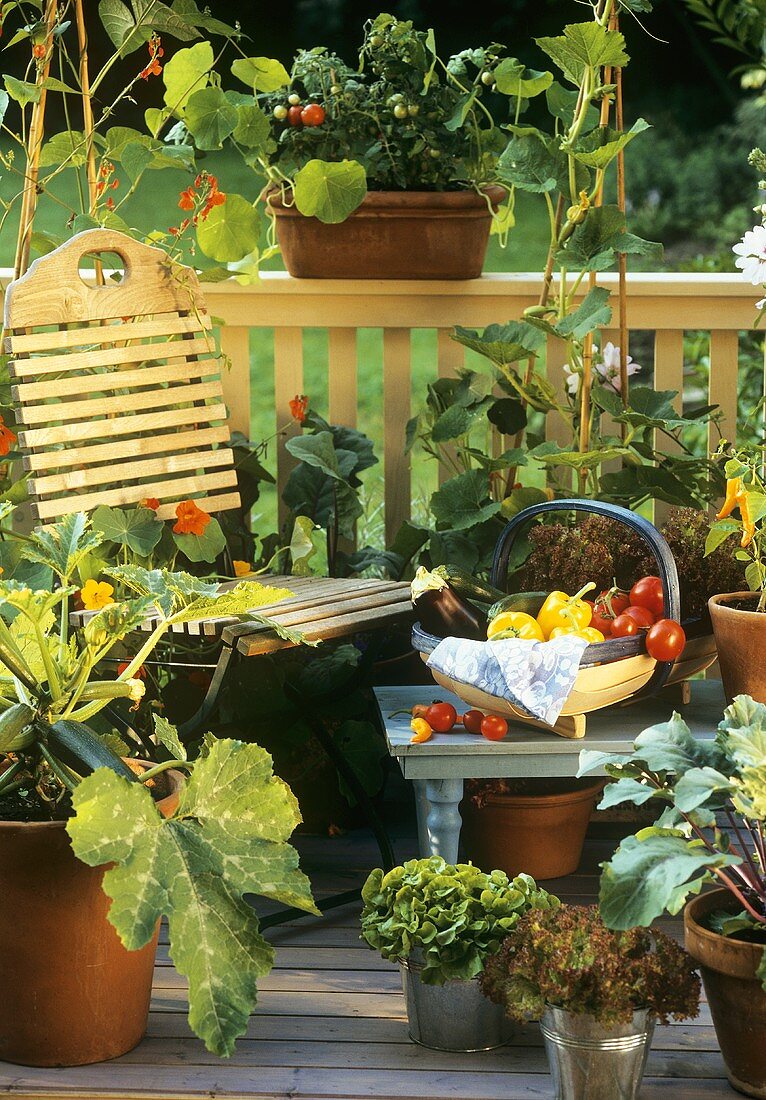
442, 611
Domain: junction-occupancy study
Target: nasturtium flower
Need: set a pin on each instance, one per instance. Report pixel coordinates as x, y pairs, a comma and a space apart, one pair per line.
96, 594
149, 502
242, 568
7, 438
751, 255
192, 520
299, 407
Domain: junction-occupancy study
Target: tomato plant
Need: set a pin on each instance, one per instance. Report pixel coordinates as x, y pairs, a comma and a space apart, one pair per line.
648, 593
665, 640
493, 727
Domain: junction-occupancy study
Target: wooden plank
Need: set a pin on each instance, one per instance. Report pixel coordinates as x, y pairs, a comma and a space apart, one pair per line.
668, 375
336, 608
115, 406
142, 424
168, 324
235, 380
115, 450
99, 358
396, 413
143, 468
288, 381
336, 628
176, 490
109, 381
342, 377
724, 368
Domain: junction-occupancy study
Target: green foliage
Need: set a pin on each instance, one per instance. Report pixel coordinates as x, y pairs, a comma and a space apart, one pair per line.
227, 838
449, 918
329, 192
703, 785
567, 958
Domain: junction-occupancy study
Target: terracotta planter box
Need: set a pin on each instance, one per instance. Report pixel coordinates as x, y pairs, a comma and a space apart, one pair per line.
740, 636
71, 993
737, 998
392, 235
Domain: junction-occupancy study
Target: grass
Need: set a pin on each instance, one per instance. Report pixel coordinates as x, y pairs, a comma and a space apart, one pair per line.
154, 207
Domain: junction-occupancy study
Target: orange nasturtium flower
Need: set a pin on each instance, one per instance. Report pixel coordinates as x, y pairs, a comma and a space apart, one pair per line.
242, 568
299, 406
191, 519
96, 594
149, 502
7, 438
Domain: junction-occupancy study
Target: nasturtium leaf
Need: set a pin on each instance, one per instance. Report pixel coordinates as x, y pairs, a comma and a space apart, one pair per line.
513, 79
204, 547
228, 837
464, 501
231, 231
253, 128
67, 146
648, 876
262, 74
167, 735
137, 528
583, 46
21, 90
210, 118
186, 73
329, 191
599, 148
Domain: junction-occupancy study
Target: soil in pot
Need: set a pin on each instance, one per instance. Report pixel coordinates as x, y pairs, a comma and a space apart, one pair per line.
71, 993
392, 235
740, 636
736, 997
535, 826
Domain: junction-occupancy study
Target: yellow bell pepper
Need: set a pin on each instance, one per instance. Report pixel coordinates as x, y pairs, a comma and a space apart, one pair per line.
560, 609
421, 731
589, 633
514, 624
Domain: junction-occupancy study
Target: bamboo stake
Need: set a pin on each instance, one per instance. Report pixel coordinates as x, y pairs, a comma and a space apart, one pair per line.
623, 259
88, 124
34, 145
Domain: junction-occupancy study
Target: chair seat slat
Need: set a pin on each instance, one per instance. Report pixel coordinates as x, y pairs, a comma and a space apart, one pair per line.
119, 426
87, 361
76, 480
106, 406
169, 324
114, 450
108, 381
172, 491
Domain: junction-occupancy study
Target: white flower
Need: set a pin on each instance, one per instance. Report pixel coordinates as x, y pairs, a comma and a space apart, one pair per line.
609, 367
573, 380
751, 253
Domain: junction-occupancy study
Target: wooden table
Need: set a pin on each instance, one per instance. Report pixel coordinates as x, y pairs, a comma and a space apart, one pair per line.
438, 767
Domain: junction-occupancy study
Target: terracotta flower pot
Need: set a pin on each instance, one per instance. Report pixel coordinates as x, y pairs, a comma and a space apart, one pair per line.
392, 235
540, 834
71, 993
736, 997
740, 636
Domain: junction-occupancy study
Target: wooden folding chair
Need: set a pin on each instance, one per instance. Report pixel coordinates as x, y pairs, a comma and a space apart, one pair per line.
119, 398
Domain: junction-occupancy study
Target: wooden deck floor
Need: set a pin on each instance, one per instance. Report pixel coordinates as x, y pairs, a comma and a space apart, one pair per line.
331, 1024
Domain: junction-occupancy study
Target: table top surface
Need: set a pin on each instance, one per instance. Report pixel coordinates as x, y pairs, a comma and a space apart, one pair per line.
611, 730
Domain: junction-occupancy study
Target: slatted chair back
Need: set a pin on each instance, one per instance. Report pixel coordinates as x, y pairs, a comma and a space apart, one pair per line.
117, 387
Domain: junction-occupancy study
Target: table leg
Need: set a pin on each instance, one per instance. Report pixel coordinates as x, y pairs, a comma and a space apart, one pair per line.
443, 821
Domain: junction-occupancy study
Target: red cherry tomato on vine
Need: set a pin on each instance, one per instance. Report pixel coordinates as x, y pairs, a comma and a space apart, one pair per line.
665, 640
294, 116
600, 618
642, 615
472, 720
313, 114
493, 727
441, 717
648, 593
624, 626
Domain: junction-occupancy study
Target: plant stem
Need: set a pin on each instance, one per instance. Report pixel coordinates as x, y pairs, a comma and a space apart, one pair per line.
165, 766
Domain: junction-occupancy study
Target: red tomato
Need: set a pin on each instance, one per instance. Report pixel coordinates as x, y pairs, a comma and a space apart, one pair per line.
472, 720
665, 640
294, 115
642, 615
441, 717
648, 593
313, 114
600, 618
613, 596
493, 727
624, 626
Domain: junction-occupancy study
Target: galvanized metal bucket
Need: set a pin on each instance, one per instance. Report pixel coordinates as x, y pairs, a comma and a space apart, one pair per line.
591, 1062
453, 1016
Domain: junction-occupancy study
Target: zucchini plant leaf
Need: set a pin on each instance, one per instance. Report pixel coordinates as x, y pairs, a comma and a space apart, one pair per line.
228, 837
63, 545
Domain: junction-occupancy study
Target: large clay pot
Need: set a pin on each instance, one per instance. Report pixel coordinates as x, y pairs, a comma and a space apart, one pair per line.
740, 636
392, 235
540, 834
736, 997
69, 991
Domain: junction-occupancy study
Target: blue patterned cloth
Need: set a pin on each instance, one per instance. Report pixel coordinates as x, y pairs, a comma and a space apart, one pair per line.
537, 677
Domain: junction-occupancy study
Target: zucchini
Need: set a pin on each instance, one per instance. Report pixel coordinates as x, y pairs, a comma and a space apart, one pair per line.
468, 586
442, 611
76, 745
16, 732
528, 602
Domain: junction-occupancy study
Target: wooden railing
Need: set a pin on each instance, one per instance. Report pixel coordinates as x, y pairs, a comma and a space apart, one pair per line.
285, 309
666, 305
